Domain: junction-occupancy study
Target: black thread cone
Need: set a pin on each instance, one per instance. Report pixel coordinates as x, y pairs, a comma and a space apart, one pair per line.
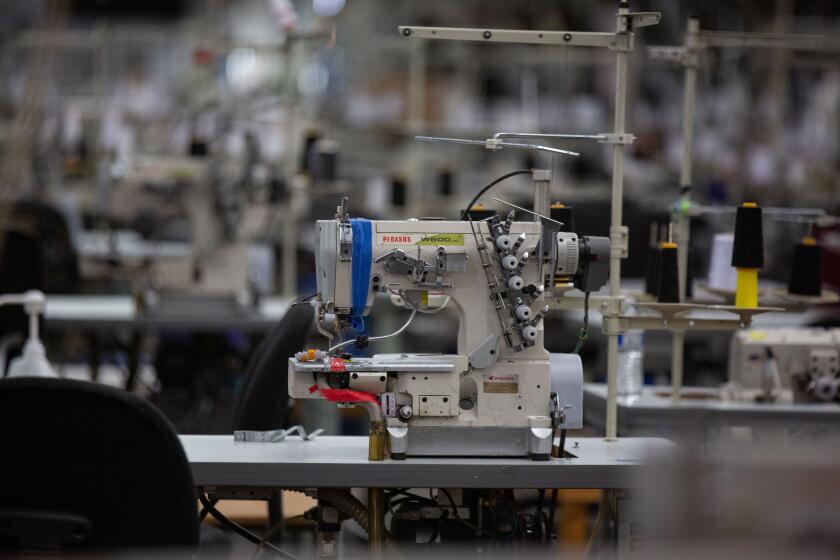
748, 250
564, 214
806, 272
652, 273
669, 288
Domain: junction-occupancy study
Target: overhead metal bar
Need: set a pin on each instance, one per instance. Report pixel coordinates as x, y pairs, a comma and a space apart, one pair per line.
612, 41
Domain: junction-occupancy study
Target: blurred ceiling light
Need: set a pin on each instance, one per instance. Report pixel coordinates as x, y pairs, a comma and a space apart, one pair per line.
327, 8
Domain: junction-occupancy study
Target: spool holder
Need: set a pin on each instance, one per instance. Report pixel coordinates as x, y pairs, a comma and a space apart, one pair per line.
675, 317
666, 316
827, 297
791, 302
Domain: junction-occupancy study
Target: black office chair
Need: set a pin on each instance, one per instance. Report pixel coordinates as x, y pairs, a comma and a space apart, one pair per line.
60, 269
21, 269
89, 468
264, 402
36, 253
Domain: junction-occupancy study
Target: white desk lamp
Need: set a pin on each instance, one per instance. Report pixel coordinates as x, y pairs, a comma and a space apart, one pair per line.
33, 361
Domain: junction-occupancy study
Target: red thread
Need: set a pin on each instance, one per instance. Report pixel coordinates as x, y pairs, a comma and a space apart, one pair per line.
348, 395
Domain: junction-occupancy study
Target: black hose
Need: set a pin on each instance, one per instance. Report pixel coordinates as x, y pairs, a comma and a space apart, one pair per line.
237, 528
562, 443
203, 513
458, 517
552, 510
491, 185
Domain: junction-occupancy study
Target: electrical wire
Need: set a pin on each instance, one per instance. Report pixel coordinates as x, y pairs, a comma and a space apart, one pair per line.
458, 516
239, 529
436, 309
401, 294
303, 300
584, 328
376, 338
488, 187
203, 513
270, 534
553, 509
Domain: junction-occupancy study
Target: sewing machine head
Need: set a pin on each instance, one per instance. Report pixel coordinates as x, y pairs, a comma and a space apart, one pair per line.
487, 398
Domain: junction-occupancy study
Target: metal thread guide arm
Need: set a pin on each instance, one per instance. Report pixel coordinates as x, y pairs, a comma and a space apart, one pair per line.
621, 43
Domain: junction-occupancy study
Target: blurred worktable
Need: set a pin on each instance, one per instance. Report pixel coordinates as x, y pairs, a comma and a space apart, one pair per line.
97, 315
341, 461
702, 416
186, 312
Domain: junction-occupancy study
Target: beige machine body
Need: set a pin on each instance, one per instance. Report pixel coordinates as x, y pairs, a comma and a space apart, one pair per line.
494, 397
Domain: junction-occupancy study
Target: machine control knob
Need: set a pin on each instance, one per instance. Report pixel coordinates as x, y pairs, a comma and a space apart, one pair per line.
503, 242
568, 253
825, 388
509, 262
515, 283
405, 412
529, 333
523, 313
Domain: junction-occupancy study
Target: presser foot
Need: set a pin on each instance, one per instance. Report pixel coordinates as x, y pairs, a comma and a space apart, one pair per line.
533, 442
540, 438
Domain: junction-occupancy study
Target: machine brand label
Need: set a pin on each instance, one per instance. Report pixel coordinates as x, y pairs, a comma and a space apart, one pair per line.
422, 239
501, 382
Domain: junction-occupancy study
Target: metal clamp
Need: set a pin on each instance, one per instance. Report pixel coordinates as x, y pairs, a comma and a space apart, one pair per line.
643, 19
557, 411
345, 242
274, 436
616, 138
619, 241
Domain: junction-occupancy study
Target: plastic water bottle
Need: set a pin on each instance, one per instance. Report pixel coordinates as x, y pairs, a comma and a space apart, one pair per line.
630, 366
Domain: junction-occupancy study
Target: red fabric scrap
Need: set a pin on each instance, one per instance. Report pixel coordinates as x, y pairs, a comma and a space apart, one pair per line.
348, 395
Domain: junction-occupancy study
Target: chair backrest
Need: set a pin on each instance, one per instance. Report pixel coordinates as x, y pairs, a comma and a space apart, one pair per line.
264, 401
60, 262
90, 467
21, 269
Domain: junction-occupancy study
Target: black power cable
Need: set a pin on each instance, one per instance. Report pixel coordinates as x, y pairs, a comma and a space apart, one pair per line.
491, 185
239, 529
203, 513
553, 508
458, 517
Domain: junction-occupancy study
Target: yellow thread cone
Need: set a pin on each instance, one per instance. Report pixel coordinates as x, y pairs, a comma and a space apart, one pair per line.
746, 292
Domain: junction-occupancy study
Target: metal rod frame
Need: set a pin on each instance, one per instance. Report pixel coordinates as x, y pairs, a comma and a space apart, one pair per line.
688, 56
620, 42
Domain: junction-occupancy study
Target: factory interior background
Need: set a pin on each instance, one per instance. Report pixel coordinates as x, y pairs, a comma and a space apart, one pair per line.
164, 165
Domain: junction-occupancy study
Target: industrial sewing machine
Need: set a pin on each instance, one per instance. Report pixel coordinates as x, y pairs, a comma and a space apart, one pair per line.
495, 396
786, 365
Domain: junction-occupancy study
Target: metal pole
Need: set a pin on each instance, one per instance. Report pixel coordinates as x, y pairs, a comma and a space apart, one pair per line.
376, 514
677, 366
683, 219
542, 193
376, 503
616, 235
689, 96
297, 184
416, 120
